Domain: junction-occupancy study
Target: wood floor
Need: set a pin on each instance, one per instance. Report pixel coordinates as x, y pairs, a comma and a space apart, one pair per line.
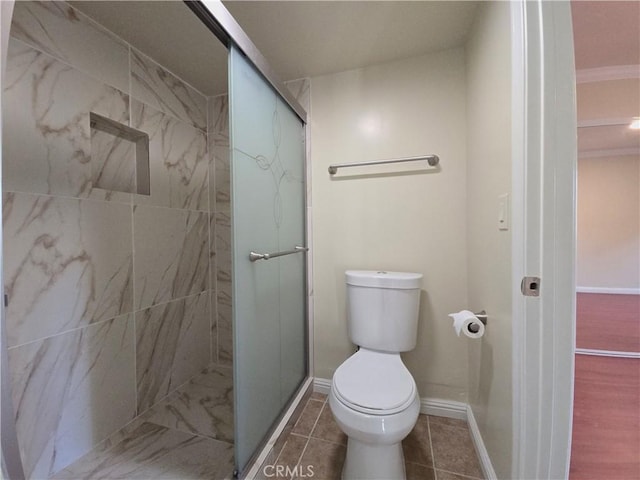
606, 406
608, 322
606, 419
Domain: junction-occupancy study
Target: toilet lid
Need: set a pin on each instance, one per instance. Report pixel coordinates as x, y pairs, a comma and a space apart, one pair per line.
374, 383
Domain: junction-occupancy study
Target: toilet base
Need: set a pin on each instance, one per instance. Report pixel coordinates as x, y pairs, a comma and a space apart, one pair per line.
366, 461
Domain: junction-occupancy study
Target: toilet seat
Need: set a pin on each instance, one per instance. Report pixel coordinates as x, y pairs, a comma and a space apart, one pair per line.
374, 383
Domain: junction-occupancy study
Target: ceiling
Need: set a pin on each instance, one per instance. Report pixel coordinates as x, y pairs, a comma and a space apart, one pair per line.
171, 34
298, 38
606, 33
309, 38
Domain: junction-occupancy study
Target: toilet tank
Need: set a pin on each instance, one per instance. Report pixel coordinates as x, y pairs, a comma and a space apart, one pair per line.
382, 309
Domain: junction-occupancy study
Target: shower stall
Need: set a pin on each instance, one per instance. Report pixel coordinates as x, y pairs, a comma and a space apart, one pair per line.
154, 242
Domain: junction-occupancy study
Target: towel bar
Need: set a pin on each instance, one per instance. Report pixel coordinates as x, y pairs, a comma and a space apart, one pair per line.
432, 159
253, 256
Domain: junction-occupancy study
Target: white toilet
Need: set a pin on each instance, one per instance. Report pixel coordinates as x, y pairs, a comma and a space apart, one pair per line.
373, 396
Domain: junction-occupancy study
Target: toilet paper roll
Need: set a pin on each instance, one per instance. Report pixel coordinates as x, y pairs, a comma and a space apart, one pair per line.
467, 323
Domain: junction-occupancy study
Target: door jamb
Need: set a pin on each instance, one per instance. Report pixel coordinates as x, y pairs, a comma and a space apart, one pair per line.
544, 169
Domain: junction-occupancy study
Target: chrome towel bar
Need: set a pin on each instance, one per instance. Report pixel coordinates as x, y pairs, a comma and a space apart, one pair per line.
432, 159
253, 256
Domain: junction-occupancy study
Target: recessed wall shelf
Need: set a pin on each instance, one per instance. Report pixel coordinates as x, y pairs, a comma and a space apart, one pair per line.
119, 156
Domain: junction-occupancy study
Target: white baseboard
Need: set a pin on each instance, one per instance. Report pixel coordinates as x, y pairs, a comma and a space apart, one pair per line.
614, 72
607, 290
443, 408
481, 450
607, 353
321, 385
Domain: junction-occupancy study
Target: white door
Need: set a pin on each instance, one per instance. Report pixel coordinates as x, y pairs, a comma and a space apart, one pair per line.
544, 238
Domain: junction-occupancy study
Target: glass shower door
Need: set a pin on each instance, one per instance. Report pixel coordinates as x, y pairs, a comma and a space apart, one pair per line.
269, 295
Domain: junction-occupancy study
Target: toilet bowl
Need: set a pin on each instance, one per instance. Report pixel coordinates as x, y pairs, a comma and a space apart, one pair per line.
373, 396
375, 402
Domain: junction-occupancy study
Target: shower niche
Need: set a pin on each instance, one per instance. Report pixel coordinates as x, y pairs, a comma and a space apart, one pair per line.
119, 156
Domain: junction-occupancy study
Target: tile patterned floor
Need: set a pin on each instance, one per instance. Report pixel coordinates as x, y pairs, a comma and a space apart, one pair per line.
437, 448
188, 435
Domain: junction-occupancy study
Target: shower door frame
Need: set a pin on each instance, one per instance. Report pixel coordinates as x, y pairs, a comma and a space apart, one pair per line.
219, 20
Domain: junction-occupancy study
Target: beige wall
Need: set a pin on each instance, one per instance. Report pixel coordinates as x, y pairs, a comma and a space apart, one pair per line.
609, 222
608, 253
488, 248
608, 99
407, 222
443, 224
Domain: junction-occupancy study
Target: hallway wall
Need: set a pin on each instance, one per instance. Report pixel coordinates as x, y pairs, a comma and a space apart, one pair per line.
608, 197
608, 253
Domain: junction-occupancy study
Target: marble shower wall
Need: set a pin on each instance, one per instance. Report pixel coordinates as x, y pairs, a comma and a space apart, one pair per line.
112, 300
220, 204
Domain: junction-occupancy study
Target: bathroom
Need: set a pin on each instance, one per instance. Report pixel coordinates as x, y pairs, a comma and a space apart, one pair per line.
445, 222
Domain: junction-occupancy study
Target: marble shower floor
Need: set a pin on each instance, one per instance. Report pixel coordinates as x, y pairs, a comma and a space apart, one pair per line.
188, 435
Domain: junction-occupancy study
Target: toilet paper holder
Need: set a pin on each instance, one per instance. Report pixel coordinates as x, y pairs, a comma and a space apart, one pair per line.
482, 316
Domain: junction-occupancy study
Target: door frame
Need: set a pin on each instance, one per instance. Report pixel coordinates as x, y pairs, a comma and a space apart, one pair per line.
544, 237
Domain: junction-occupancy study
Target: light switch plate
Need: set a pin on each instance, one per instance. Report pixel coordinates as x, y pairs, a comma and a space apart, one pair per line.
504, 213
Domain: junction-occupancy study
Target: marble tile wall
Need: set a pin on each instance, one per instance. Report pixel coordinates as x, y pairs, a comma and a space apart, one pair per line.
301, 90
112, 295
68, 263
48, 136
157, 87
170, 339
220, 204
178, 160
70, 390
171, 250
59, 30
